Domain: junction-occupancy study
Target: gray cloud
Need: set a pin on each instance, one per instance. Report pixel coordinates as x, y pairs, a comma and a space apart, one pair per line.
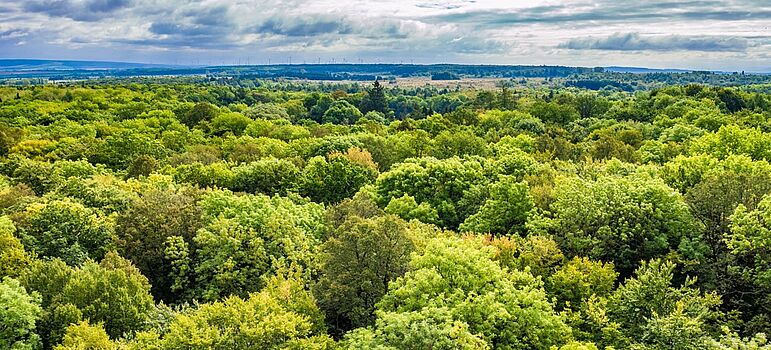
608, 11
181, 42
306, 26
187, 30
701, 33
13, 34
637, 42
79, 10
477, 45
444, 5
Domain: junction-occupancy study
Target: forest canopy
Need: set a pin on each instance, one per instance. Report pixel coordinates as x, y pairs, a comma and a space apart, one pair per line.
264, 214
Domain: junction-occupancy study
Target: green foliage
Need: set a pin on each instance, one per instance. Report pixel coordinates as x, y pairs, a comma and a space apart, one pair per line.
112, 292
120, 149
538, 254
143, 165
83, 336
202, 111
341, 112
65, 230
330, 181
733, 341
279, 129
455, 295
150, 220
441, 183
407, 208
457, 143
359, 259
579, 279
506, 210
653, 312
211, 175
733, 181
553, 112
429, 329
749, 240
278, 317
733, 139
682, 173
13, 257
246, 237
267, 176
269, 111
247, 149
623, 219
234, 123
375, 100
18, 313
237, 198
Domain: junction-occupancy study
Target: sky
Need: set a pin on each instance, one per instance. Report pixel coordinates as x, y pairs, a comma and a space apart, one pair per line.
729, 35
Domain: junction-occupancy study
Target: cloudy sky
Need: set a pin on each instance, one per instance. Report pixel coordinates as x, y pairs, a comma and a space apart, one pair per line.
727, 35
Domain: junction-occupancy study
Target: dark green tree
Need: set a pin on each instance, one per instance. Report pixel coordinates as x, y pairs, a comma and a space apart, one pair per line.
375, 100
359, 259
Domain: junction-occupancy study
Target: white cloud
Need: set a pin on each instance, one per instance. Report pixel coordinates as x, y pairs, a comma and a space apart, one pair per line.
692, 34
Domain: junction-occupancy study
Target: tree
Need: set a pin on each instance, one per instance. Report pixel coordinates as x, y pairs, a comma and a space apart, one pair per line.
267, 176
341, 112
234, 123
734, 140
269, 111
359, 259
441, 183
505, 212
330, 181
713, 192
624, 220
750, 241
552, 112
407, 208
318, 106
153, 217
424, 329
202, 111
580, 279
714, 198
375, 100
66, 230
538, 254
457, 143
143, 165
9, 137
589, 105
120, 149
13, 257
506, 98
652, 312
731, 100
18, 313
281, 316
82, 336
112, 292
205, 176
247, 237
456, 296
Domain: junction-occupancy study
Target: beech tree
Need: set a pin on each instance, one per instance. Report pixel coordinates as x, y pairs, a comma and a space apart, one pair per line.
455, 296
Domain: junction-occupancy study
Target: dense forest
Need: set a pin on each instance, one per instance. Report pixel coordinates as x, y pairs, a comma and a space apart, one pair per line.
276, 215
25, 72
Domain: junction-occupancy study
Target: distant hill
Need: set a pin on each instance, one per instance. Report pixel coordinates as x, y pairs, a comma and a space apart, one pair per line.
18, 65
63, 69
640, 70
593, 78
